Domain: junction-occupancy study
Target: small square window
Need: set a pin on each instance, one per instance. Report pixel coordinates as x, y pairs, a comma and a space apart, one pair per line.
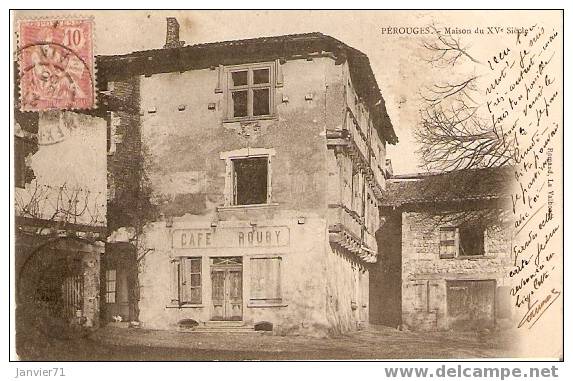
250, 92
461, 241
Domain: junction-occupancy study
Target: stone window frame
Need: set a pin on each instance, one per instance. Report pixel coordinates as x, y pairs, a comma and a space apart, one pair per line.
273, 84
245, 153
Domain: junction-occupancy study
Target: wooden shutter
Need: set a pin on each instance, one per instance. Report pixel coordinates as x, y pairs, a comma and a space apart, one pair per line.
266, 279
175, 281
448, 242
185, 281
274, 278
257, 279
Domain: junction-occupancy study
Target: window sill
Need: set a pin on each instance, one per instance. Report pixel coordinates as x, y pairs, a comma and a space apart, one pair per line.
249, 119
482, 256
186, 306
271, 305
252, 206
470, 257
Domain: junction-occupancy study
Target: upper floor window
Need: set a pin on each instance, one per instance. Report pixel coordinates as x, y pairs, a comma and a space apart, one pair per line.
248, 176
250, 91
461, 241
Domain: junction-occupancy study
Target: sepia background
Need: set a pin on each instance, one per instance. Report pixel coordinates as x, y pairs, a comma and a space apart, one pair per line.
399, 62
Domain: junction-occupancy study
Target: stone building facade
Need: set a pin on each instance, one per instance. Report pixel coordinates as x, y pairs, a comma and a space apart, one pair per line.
261, 168
454, 253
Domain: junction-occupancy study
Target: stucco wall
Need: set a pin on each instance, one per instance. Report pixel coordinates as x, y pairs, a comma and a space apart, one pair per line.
302, 284
184, 132
70, 170
421, 264
182, 147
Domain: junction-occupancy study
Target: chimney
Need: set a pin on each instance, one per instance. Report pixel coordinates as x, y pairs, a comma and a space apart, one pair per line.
172, 37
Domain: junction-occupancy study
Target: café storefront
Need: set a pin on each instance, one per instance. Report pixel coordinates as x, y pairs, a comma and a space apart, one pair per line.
233, 272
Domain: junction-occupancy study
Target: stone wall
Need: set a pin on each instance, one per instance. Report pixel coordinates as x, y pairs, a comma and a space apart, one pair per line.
423, 267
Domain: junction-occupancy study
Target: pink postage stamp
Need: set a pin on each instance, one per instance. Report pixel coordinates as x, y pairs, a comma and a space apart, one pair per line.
56, 61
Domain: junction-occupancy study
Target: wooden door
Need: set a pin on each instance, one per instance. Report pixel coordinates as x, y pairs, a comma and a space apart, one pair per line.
227, 292
471, 304
235, 294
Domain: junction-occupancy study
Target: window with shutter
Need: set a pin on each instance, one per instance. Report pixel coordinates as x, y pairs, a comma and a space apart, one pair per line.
471, 241
186, 281
265, 280
448, 244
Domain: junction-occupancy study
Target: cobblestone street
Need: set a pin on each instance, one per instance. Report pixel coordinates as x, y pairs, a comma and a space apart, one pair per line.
116, 344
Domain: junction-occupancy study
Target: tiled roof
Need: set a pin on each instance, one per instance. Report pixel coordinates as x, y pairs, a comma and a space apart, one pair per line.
462, 185
200, 56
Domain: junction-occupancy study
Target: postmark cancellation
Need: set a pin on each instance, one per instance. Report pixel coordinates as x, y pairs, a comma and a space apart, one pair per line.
56, 64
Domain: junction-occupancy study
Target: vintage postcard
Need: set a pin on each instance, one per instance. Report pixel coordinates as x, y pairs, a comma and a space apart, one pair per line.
287, 185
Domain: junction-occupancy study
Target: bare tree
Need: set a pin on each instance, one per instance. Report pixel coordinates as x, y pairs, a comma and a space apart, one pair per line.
453, 132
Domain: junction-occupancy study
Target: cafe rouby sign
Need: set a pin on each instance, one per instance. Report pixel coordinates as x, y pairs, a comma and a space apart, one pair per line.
266, 236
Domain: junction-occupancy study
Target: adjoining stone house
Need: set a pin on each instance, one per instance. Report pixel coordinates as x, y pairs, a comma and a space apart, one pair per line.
254, 170
445, 251
60, 218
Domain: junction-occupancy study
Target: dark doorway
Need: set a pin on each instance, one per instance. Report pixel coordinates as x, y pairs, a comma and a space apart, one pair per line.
119, 291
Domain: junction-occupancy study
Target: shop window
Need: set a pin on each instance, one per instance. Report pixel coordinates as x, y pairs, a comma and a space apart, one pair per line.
110, 286
265, 280
250, 91
186, 281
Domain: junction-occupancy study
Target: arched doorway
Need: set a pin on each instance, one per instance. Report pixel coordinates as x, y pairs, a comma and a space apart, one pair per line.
57, 285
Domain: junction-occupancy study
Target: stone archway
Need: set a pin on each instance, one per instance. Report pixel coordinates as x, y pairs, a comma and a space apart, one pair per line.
57, 287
